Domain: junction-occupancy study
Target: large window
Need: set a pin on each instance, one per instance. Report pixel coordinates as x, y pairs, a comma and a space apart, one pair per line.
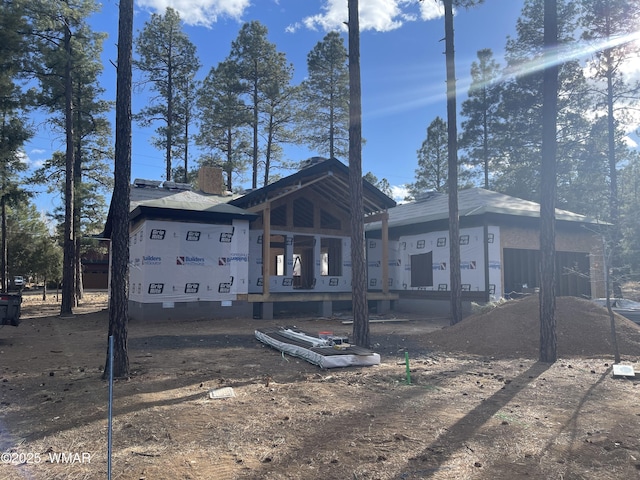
303, 261
331, 254
422, 270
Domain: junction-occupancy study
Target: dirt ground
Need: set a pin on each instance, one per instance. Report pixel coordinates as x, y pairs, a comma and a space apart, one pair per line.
478, 405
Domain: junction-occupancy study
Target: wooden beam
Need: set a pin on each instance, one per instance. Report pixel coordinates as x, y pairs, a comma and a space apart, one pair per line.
294, 188
376, 217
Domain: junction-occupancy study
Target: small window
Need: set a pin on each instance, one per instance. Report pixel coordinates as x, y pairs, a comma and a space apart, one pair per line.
422, 270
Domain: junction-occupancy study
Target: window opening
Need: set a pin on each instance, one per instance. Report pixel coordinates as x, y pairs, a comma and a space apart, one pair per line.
331, 255
422, 270
303, 275
278, 255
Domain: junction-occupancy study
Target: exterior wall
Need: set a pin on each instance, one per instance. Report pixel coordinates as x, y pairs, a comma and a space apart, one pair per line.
566, 241
471, 256
176, 265
285, 283
188, 310
95, 275
374, 264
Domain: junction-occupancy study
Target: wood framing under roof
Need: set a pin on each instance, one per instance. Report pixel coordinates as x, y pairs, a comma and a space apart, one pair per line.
328, 179
313, 201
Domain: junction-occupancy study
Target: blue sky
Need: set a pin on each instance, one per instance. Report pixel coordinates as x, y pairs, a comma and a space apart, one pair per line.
402, 66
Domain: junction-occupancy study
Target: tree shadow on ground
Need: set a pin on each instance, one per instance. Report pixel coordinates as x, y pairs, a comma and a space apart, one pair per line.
432, 459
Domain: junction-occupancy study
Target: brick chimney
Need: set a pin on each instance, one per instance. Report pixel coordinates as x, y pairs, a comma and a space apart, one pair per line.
210, 180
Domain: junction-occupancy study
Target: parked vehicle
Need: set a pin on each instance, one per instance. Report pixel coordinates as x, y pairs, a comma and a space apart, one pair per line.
626, 308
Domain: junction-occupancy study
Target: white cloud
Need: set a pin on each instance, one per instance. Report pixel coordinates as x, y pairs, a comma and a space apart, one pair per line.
630, 142
202, 13
430, 9
22, 157
293, 27
28, 158
378, 15
399, 193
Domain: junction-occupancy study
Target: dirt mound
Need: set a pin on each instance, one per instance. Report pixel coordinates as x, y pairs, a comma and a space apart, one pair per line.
512, 330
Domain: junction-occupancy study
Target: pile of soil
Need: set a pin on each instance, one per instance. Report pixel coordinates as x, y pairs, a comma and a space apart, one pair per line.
512, 330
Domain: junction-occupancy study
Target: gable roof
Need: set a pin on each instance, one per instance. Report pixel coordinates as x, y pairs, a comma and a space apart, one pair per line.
328, 179
471, 202
187, 205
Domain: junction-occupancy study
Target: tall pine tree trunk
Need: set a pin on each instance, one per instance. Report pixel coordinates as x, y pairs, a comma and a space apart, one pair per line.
4, 281
358, 261
548, 339
77, 200
256, 100
614, 204
68, 262
169, 123
186, 144
452, 133
118, 305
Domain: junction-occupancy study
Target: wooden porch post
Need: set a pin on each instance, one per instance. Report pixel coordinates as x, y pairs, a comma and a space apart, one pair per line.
266, 247
385, 253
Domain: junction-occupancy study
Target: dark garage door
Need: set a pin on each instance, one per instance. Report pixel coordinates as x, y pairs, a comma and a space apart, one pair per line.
522, 267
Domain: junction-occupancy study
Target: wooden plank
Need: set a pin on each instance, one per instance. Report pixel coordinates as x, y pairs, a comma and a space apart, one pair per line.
390, 320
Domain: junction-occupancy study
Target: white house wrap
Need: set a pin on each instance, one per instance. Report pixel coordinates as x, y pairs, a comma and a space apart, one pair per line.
183, 262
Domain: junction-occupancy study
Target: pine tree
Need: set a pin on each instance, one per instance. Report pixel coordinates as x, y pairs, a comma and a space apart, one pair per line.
431, 174
548, 337
33, 251
119, 208
326, 96
260, 66
480, 109
186, 113
361, 332
91, 137
517, 171
610, 26
61, 34
452, 163
630, 206
168, 62
383, 185
224, 118
281, 110
14, 127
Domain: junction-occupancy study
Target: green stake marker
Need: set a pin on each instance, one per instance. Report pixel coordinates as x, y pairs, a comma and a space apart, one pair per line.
406, 361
